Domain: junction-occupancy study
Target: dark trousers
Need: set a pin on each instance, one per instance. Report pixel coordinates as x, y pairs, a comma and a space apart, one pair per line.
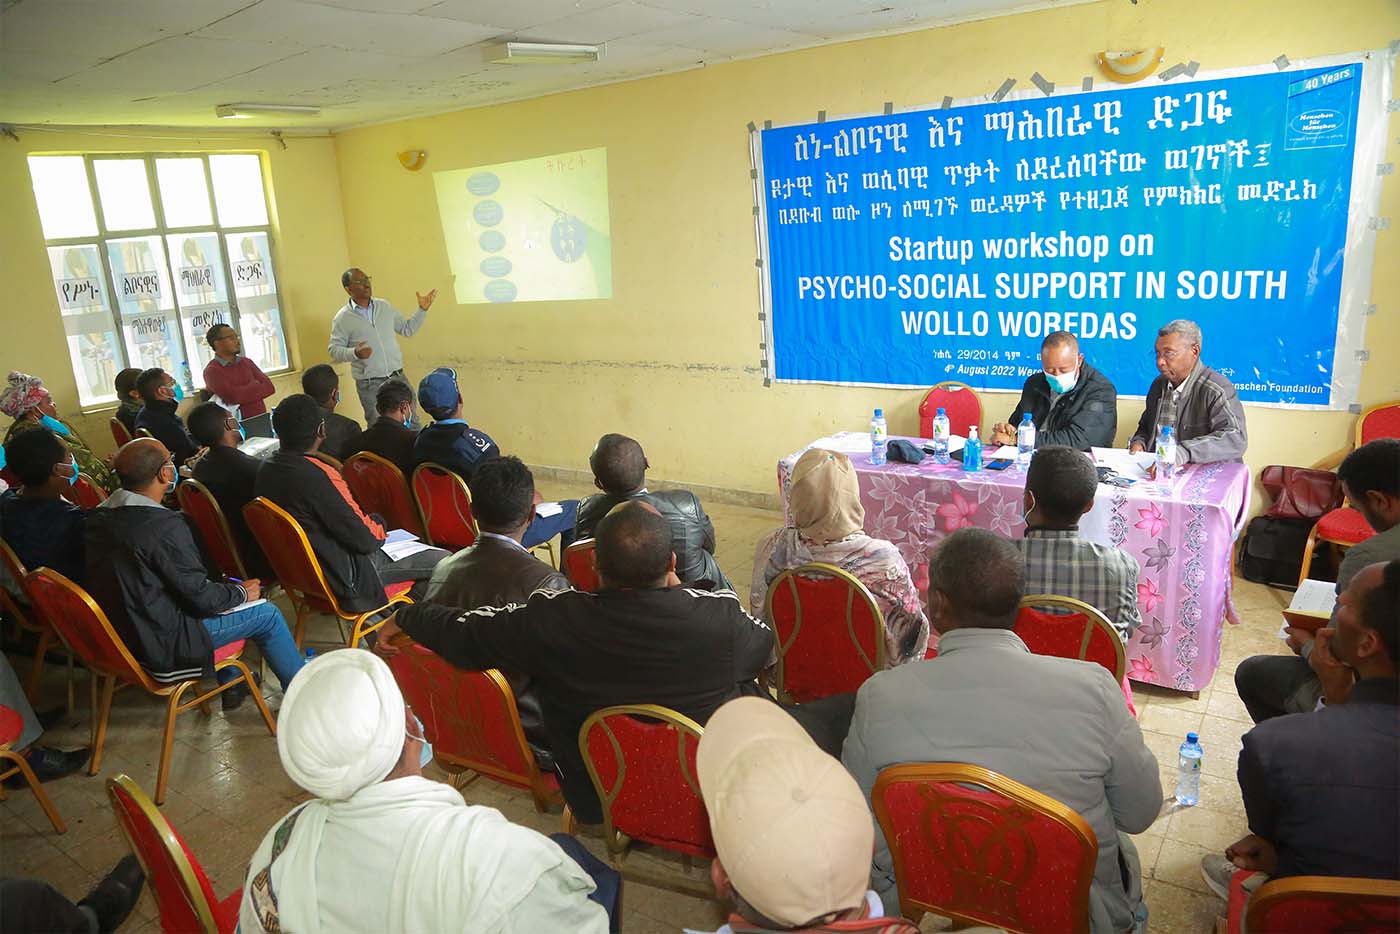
31, 905
416, 567
827, 720
607, 879
1274, 685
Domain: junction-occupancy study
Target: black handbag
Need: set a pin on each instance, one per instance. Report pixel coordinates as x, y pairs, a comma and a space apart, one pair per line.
1272, 550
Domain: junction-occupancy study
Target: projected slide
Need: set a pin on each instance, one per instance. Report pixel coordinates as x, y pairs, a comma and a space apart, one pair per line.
535, 230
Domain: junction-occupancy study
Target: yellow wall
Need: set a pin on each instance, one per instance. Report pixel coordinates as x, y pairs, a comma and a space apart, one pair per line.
309, 233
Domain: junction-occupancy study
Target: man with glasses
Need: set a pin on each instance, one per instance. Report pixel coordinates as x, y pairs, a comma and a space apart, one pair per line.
237, 380
1199, 403
362, 335
230, 475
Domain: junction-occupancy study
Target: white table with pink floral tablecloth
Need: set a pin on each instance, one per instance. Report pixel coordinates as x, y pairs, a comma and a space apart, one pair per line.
1183, 539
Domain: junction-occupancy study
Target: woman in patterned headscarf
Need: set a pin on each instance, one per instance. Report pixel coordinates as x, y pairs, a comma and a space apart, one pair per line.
27, 401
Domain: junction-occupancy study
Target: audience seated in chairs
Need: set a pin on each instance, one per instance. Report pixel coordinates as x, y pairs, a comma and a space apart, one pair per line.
389, 436
143, 569
643, 639
161, 396
35, 905
27, 401
828, 519
43, 528
1060, 486
322, 383
450, 442
790, 826
128, 398
1273, 685
620, 471
231, 476
347, 542
1056, 725
1322, 789
380, 847
47, 762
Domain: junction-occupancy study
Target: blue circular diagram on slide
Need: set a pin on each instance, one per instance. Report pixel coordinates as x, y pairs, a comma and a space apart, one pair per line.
492, 241
568, 237
488, 213
483, 183
500, 290
494, 267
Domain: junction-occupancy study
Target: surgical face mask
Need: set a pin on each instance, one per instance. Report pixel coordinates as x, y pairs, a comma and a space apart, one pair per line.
176, 482
426, 755
242, 435
1026, 515
54, 425
1062, 384
179, 393
70, 472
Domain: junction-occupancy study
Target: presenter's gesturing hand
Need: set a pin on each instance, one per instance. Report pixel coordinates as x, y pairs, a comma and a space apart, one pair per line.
426, 301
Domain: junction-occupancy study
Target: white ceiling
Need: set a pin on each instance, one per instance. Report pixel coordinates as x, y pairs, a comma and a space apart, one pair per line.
169, 62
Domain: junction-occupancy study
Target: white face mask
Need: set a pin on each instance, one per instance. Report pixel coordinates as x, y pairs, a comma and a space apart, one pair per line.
1026, 515
1062, 384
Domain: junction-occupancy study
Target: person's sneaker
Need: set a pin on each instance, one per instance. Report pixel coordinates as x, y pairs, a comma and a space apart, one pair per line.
234, 697
1218, 871
113, 899
49, 763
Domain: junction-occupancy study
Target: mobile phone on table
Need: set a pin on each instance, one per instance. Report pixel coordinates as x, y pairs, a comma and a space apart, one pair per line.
1000, 463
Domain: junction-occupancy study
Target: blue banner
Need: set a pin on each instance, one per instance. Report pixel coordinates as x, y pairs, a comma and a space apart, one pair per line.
917, 247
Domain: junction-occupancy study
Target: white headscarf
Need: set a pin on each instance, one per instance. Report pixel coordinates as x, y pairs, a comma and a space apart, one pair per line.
341, 726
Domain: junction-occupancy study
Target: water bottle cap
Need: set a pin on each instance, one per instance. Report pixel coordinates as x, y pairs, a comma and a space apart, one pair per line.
1191, 738
1026, 419
1166, 431
941, 413
879, 413
310, 653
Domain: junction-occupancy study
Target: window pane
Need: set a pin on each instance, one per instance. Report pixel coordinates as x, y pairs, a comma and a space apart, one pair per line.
126, 198
238, 190
255, 288
142, 283
64, 199
184, 194
87, 321
201, 291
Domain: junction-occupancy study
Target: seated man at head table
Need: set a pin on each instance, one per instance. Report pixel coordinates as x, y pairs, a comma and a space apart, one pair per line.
1070, 403
1057, 725
161, 396
231, 476
1200, 404
389, 436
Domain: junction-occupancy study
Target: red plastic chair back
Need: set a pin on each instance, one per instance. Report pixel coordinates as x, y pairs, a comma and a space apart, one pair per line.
289, 552
981, 848
179, 884
84, 493
1379, 421
1078, 630
830, 632
200, 505
15, 568
379, 486
959, 402
1317, 905
11, 726
81, 623
644, 773
444, 506
119, 432
581, 566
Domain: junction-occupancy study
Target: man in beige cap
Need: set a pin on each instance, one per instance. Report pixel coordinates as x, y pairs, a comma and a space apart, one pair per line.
790, 825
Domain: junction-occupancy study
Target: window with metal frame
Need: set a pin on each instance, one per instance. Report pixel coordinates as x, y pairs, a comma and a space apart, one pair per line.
148, 251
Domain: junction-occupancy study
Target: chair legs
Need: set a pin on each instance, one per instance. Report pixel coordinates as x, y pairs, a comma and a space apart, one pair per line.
101, 709
1308, 556
36, 672
37, 787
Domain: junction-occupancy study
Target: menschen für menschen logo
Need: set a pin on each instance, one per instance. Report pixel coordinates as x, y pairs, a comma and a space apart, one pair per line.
1319, 109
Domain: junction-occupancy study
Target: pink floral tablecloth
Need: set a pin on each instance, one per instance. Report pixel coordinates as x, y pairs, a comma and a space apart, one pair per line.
1183, 540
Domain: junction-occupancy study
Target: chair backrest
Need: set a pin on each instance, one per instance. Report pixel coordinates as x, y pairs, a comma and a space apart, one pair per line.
1324, 904
444, 506
1379, 421
200, 505
581, 565
179, 884
15, 568
959, 402
144, 433
119, 432
470, 717
84, 493
80, 622
830, 632
288, 551
326, 459
644, 773
1076, 630
379, 486
980, 848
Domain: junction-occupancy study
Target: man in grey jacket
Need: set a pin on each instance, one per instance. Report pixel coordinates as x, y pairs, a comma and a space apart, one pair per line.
362, 335
1057, 725
1200, 403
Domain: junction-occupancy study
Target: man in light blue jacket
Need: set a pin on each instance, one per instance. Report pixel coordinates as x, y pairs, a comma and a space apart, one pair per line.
362, 335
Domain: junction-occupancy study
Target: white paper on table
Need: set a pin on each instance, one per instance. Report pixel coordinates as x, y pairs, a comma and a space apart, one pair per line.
545, 510
246, 604
399, 550
1005, 452
399, 535
847, 442
1123, 462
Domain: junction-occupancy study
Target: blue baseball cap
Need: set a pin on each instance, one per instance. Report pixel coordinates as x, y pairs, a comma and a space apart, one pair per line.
438, 390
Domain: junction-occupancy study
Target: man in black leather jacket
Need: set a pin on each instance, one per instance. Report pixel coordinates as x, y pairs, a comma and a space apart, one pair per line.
1072, 404
619, 470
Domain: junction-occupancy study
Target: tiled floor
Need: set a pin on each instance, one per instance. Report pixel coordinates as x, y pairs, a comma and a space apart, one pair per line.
227, 786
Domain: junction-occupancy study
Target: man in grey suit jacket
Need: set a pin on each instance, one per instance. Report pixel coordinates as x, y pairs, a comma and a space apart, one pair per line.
1200, 403
1057, 725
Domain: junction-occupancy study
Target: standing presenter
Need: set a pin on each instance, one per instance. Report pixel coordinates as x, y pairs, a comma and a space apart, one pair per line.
362, 334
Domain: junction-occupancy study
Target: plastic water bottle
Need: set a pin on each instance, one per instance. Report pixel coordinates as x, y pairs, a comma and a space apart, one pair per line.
879, 438
942, 432
972, 450
310, 656
1166, 457
1025, 442
185, 374
1188, 782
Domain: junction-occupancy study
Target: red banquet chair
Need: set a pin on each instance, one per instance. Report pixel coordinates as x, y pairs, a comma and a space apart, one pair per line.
1078, 631
379, 486
11, 762
830, 632
90, 635
299, 572
644, 773
31, 621
119, 432
1315, 905
960, 403
471, 720
977, 847
84, 493
178, 883
200, 505
444, 507
581, 565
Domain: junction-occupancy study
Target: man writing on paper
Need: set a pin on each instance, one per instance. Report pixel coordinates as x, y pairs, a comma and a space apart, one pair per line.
1198, 402
362, 335
1071, 403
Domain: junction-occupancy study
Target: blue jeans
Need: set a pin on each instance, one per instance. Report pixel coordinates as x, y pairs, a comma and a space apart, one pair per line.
266, 627
541, 530
607, 879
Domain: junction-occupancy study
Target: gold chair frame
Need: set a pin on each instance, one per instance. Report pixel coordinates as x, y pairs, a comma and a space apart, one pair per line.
381, 461
1097, 620
46, 634
1326, 888
853, 588
952, 384
327, 459
425, 512
114, 425
577, 547
976, 776
1361, 419
618, 843
190, 487
21, 765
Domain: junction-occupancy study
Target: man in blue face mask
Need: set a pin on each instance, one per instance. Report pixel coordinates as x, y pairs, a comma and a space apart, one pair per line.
161, 396
43, 528
1071, 403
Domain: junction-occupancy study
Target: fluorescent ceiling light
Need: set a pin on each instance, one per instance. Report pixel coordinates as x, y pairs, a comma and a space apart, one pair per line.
540, 53
247, 111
